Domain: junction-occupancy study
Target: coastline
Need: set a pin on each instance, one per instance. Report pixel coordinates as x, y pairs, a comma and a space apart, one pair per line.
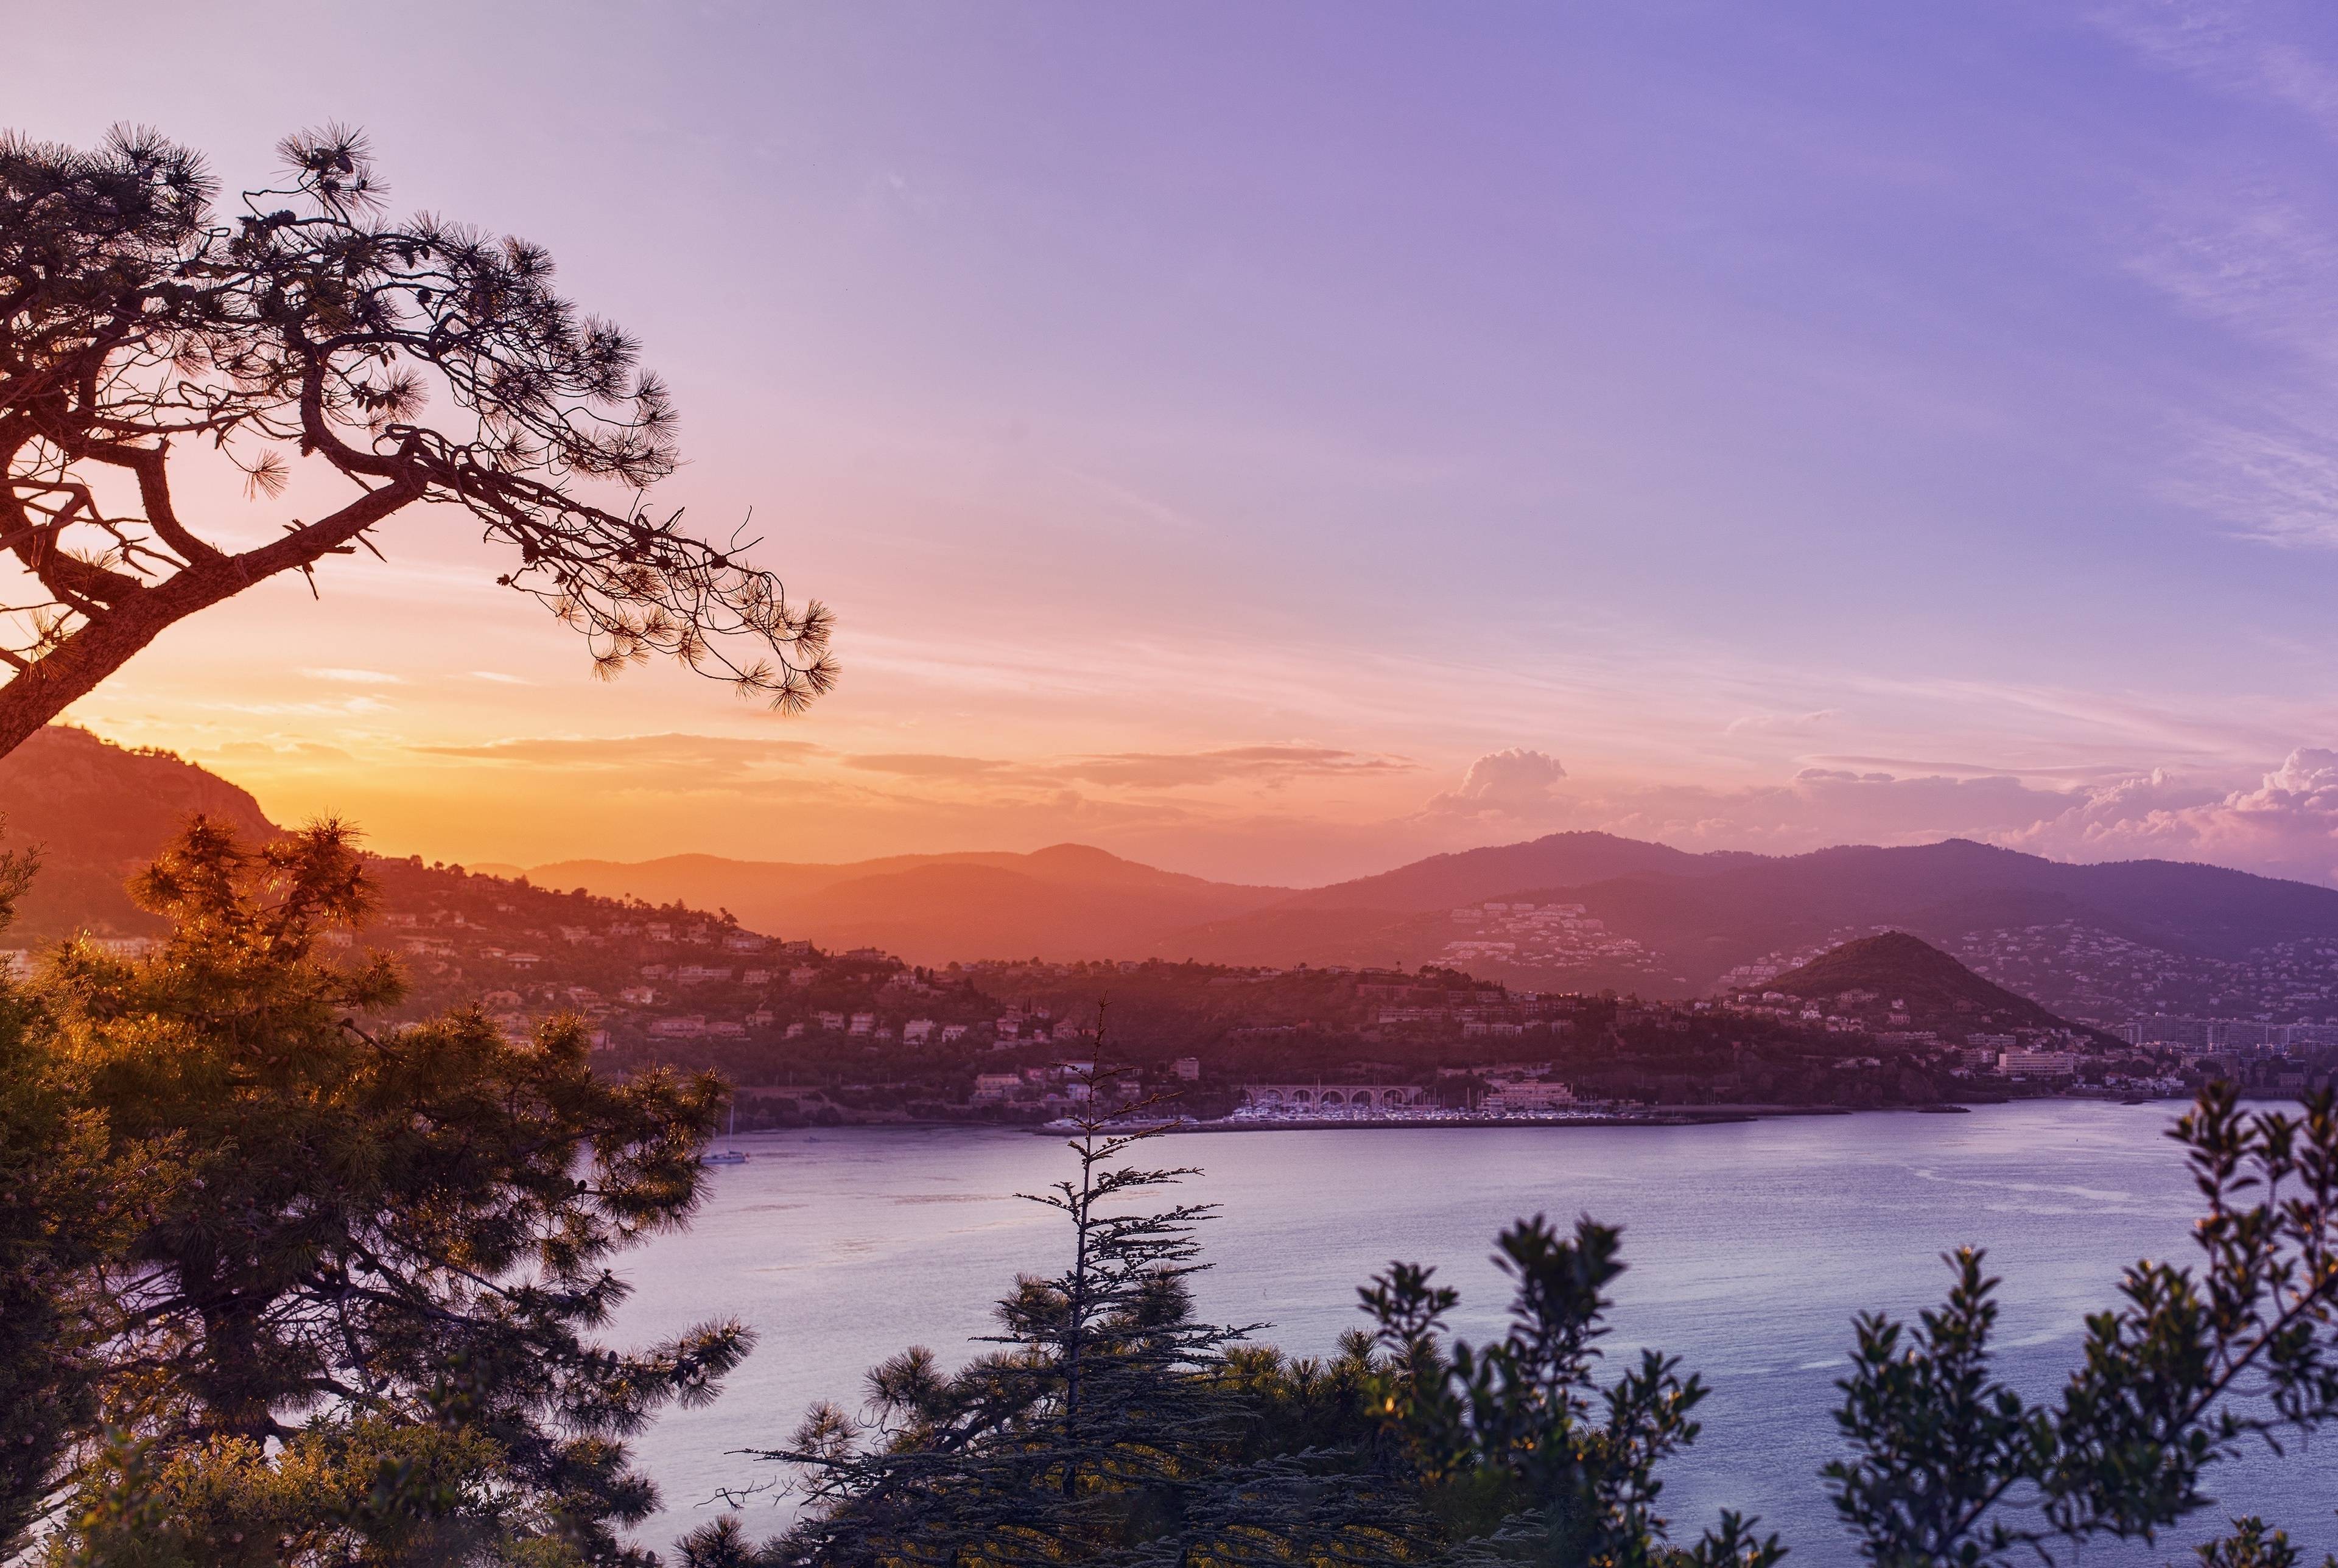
1376, 1124
1658, 1116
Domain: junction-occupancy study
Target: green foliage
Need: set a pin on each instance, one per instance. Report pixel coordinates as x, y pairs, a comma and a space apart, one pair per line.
401, 363
347, 1312
1075, 1436
1513, 1445
281, 1287
2252, 1546
1410, 1445
1950, 1465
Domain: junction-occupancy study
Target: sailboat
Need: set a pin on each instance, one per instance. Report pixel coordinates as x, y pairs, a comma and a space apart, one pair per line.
727, 1156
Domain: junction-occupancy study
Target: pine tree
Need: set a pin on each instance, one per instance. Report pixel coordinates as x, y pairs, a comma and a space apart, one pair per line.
1075, 1436
356, 1318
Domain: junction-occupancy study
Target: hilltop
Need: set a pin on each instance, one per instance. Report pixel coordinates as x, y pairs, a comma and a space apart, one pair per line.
1068, 901
1566, 912
1896, 981
96, 812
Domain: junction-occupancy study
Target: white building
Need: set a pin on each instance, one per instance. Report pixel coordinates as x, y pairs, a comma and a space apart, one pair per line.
1507, 1095
2038, 1065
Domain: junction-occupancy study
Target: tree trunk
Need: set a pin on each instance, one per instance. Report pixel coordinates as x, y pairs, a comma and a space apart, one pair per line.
108, 639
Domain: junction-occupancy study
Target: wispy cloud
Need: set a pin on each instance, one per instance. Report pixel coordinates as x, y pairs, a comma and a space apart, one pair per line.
928, 765
702, 757
2236, 49
356, 677
1174, 769
1138, 770
1752, 722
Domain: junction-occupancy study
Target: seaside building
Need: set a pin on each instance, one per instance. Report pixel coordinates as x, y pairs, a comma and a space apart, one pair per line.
1503, 1096
1321, 1096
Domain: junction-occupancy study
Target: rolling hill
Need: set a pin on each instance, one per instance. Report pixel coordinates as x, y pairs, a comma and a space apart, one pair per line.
96, 812
2101, 941
1878, 977
1689, 926
1068, 901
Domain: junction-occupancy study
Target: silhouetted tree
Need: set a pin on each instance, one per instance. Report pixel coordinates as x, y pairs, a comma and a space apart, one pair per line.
1074, 1436
1952, 1466
61, 1198
414, 362
1517, 1454
1413, 1447
353, 1315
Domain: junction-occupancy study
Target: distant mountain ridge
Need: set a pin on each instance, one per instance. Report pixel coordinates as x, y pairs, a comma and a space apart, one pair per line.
1469, 875
1066, 901
1684, 920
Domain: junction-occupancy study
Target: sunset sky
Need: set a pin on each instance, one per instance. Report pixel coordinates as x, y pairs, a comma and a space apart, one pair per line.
1279, 442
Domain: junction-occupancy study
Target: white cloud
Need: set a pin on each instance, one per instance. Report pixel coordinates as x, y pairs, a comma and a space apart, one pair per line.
2287, 826
1516, 782
1787, 721
356, 677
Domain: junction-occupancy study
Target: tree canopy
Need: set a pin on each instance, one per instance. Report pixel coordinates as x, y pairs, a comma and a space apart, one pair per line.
312, 1291
1414, 1446
417, 362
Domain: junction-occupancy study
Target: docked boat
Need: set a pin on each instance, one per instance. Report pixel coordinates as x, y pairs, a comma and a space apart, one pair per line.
724, 1157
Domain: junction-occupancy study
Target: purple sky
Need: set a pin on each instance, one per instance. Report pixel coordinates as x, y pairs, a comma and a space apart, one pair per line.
1228, 431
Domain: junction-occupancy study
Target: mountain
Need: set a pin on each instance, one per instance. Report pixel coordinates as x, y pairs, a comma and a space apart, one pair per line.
1393, 917
1068, 901
1576, 911
1468, 875
2106, 941
1898, 981
95, 812
1570, 911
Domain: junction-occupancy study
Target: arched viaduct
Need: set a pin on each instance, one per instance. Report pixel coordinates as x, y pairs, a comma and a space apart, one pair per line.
1315, 1096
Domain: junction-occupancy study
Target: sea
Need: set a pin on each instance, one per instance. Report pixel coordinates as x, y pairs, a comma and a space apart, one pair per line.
1751, 1247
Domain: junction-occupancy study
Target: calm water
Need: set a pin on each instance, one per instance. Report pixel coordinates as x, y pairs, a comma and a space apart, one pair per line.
1752, 1246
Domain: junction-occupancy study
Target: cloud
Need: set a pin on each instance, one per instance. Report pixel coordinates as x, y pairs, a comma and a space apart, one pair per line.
499, 678
927, 765
1517, 782
356, 677
1757, 723
1817, 807
705, 757
1904, 767
2226, 47
265, 752
337, 708
1268, 764
2287, 826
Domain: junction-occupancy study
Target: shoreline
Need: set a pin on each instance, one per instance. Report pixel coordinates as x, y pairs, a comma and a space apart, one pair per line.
1375, 1124
1659, 1116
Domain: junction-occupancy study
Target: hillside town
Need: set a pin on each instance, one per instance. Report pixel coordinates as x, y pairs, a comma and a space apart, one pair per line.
815, 1037
812, 1036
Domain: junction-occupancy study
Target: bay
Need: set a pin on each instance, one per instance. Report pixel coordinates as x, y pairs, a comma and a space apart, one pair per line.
1751, 1246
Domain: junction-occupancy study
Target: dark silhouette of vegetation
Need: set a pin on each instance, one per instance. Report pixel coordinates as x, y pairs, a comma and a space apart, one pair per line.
414, 362
310, 1291
282, 1285
1411, 1446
